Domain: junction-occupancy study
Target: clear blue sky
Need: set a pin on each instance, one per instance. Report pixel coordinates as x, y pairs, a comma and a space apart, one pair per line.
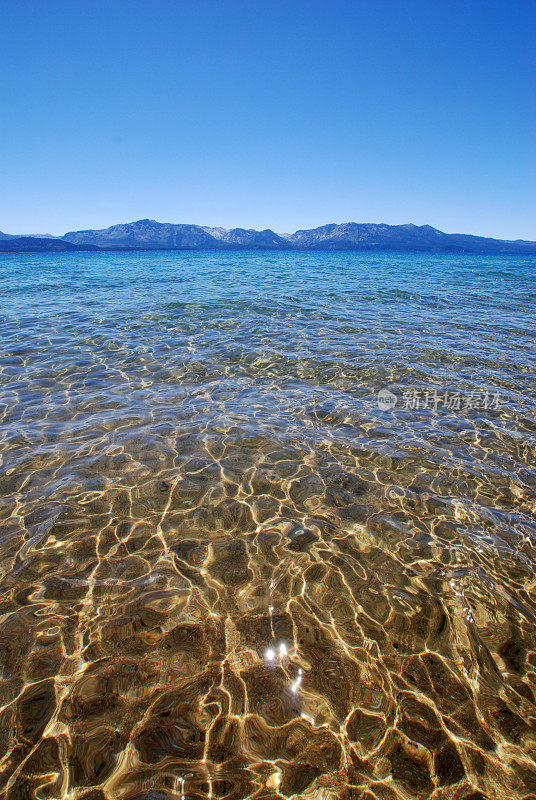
268, 114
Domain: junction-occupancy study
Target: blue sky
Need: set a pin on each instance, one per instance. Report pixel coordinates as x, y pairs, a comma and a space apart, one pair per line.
268, 114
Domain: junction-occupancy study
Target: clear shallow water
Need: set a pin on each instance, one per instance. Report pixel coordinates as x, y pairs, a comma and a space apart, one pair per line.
225, 571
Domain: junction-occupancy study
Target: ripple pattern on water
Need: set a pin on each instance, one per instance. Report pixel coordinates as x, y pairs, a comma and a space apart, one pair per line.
225, 572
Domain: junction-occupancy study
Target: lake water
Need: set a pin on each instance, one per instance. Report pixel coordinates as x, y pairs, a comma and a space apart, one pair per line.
267, 526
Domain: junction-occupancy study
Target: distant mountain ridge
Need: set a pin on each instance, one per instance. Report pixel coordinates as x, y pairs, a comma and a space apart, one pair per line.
36, 244
28, 236
148, 234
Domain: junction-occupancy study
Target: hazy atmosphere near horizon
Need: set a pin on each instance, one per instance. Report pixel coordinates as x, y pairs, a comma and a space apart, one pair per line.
268, 115
267, 400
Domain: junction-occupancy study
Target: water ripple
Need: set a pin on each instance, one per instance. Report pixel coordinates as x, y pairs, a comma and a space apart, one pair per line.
225, 571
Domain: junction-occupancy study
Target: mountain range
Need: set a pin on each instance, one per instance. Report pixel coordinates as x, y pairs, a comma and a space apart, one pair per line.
147, 234
35, 244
